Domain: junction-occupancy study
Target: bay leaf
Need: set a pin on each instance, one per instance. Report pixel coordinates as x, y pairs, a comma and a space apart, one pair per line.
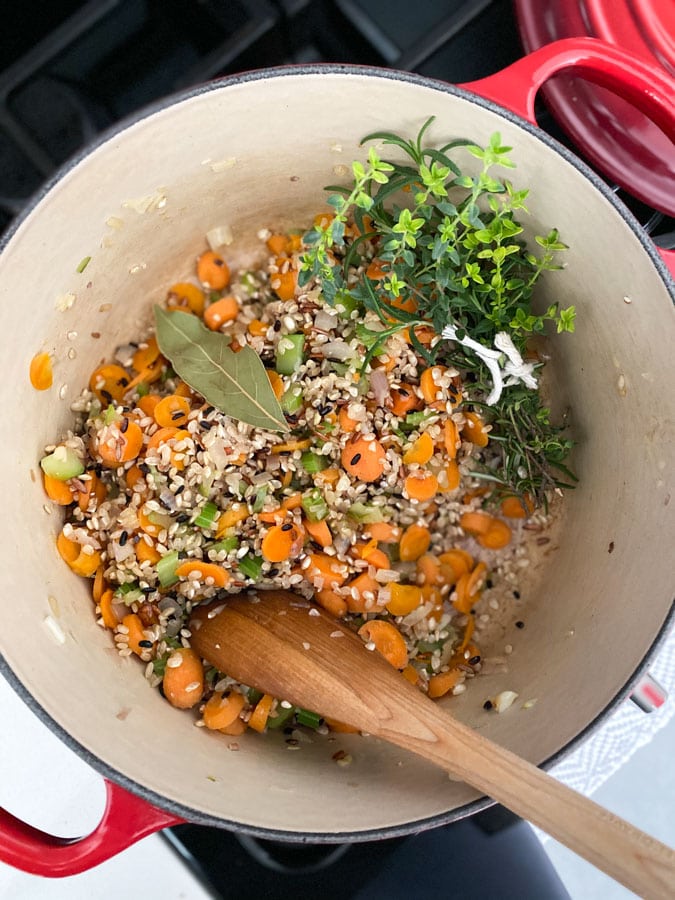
235, 383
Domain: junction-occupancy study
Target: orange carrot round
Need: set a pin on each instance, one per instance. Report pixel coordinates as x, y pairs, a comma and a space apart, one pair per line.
135, 633
404, 400
363, 584
213, 271
331, 602
222, 311
261, 713
222, 709
128, 443
217, 573
277, 383
282, 542
109, 383
415, 541
186, 296
421, 485
183, 682
57, 491
404, 599
384, 532
364, 460
517, 507
474, 430
496, 537
325, 569
421, 451
475, 522
388, 641
171, 411
441, 684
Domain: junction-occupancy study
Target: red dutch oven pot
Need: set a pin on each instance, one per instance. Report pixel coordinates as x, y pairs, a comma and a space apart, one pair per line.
227, 152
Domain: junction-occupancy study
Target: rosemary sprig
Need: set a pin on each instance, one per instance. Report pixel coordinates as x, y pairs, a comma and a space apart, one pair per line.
453, 253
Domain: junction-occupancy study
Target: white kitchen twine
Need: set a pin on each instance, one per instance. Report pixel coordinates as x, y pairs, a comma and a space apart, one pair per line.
514, 369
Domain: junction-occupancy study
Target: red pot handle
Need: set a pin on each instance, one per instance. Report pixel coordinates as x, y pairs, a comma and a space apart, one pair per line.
649, 89
126, 819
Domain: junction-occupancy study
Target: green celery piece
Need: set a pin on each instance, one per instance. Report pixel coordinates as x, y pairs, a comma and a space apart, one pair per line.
365, 513
290, 358
207, 515
291, 400
313, 462
62, 464
308, 718
250, 566
166, 569
282, 717
314, 505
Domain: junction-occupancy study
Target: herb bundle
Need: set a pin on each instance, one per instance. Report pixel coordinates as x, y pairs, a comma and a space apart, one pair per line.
450, 257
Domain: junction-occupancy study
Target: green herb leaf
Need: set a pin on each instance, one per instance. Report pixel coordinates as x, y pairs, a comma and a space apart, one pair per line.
235, 383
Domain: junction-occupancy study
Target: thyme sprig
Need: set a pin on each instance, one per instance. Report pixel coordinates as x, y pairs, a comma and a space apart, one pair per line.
451, 251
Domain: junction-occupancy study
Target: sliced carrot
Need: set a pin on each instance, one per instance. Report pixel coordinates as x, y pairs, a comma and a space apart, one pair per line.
207, 570
183, 684
284, 284
319, 532
428, 569
276, 381
99, 585
294, 501
411, 674
347, 424
86, 564
448, 478
108, 614
517, 507
463, 600
222, 709
212, 270
475, 522
404, 599
57, 491
147, 553
415, 541
388, 641
135, 633
444, 682
228, 519
431, 594
364, 460
459, 560
477, 578
222, 311
421, 451
147, 525
429, 383
261, 713
407, 304
326, 569
328, 476
376, 270
68, 550
40, 371
282, 542
146, 356
323, 220
109, 383
277, 244
331, 602
404, 400
148, 403
384, 532
134, 476
468, 633
450, 438
257, 328
496, 537
128, 438
185, 295
474, 430
363, 584
421, 485
291, 446
171, 411
235, 728
378, 558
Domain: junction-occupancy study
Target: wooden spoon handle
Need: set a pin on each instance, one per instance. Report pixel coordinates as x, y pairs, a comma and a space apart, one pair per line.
293, 651
641, 863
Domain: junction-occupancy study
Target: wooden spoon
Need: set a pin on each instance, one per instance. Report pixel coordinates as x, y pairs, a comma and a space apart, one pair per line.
271, 642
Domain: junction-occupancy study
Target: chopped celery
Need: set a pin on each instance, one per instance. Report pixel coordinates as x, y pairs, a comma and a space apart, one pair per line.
249, 282
62, 464
254, 695
366, 513
307, 717
414, 419
313, 462
314, 505
228, 544
281, 716
259, 501
159, 665
250, 566
207, 515
289, 353
345, 304
166, 569
142, 389
291, 400
129, 593
110, 415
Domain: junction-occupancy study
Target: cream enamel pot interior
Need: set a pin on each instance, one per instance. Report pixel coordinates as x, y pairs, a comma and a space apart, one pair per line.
256, 151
